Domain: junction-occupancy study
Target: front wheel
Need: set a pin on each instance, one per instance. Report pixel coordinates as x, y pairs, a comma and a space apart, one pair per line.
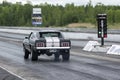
34, 55
66, 55
26, 53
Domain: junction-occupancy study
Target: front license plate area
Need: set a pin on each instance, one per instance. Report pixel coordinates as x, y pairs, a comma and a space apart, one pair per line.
52, 50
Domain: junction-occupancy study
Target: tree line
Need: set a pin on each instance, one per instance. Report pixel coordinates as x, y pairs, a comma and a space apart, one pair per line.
56, 15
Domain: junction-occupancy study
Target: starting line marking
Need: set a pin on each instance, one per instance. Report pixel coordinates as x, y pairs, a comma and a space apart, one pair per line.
115, 49
90, 45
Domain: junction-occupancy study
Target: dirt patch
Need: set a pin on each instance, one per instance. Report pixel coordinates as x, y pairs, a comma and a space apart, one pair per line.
81, 25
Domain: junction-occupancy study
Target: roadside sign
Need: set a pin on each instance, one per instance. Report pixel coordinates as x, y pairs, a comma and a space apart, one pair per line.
36, 10
36, 16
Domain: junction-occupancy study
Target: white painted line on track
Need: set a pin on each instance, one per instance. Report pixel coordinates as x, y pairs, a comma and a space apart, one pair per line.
12, 73
96, 57
10, 39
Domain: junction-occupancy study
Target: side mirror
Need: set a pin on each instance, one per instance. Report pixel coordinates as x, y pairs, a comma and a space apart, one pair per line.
26, 37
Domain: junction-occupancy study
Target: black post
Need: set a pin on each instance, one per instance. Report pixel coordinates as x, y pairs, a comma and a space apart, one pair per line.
102, 41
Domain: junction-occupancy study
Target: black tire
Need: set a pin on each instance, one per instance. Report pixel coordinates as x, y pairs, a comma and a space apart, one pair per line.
57, 55
26, 53
34, 55
66, 56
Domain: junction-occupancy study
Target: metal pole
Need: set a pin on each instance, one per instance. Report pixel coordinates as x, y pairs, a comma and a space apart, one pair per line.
102, 35
102, 41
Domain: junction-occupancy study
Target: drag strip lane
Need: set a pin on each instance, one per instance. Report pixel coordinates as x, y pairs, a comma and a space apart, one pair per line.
79, 68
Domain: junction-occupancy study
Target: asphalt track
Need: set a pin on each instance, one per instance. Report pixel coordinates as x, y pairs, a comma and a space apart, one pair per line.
82, 65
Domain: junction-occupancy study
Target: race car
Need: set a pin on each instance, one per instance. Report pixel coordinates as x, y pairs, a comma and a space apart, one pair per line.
47, 42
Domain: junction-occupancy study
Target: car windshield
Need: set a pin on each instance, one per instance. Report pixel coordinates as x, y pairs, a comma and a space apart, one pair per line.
50, 34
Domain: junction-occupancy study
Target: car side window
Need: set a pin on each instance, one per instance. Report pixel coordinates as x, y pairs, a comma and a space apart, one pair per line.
32, 36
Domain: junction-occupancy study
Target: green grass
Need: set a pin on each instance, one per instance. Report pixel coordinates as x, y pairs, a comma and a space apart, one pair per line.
81, 25
114, 26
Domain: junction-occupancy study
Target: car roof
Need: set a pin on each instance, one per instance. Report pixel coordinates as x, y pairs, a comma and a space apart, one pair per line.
49, 31
41, 31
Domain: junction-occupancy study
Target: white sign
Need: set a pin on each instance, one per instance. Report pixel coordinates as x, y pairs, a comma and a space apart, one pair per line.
115, 49
90, 45
36, 10
36, 16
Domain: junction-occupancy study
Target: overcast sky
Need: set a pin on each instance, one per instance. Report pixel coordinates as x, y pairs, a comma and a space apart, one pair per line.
63, 2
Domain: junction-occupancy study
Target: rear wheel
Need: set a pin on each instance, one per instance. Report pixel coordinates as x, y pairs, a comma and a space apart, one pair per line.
26, 53
34, 55
66, 55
